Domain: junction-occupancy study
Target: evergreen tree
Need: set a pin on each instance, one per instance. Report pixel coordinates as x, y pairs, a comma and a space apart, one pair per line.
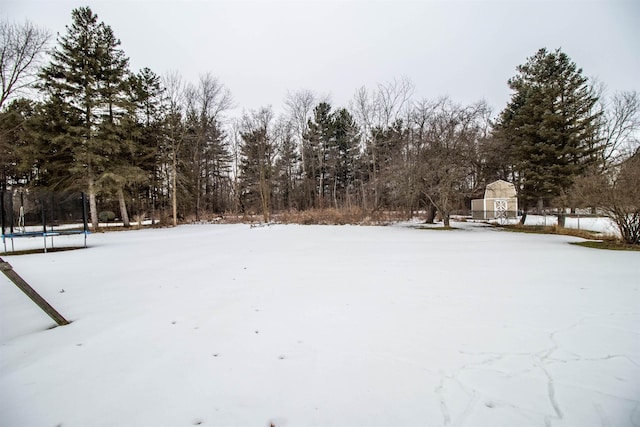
258, 152
118, 128
86, 78
550, 125
384, 162
331, 146
54, 159
347, 150
147, 96
317, 142
17, 160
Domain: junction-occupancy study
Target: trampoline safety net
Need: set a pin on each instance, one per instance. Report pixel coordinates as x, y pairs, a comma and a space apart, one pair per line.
33, 213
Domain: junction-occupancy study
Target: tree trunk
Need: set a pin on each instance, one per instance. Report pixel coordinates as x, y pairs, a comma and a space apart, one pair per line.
523, 218
265, 206
431, 214
153, 197
321, 191
174, 190
93, 206
561, 219
264, 199
198, 179
123, 208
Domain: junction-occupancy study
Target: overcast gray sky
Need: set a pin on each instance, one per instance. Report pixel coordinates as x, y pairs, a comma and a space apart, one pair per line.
261, 49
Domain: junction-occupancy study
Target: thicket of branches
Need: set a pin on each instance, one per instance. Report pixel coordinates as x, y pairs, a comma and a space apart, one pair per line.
160, 147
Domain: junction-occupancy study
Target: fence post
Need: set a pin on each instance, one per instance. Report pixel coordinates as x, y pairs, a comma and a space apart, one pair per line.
8, 271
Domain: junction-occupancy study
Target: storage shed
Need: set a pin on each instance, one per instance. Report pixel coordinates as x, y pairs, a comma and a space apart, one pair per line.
500, 202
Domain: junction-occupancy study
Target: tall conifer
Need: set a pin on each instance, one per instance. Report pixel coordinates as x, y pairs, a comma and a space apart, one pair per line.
550, 125
86, 78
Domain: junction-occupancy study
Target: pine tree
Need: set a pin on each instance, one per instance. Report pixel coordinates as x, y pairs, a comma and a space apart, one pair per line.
258, 152
331, 148
53, 145
118, 130
147, 98
383, 152
347, 150
87, 78
17, 159
550, 125
317, 142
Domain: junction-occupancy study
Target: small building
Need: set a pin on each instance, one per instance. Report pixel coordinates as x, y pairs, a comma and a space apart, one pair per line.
500, 202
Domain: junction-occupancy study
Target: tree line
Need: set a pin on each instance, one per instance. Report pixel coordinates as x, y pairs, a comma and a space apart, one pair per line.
169, 148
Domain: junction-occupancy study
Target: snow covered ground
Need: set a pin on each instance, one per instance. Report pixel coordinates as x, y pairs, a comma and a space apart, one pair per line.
227, 325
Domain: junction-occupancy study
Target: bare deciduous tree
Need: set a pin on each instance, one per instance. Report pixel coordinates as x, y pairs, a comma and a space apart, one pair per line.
448, 159
205, 104
382, 117
286, 165
299, 106
620, 127
21, 48
235, 138
174, 91
616, 193
392, 99
362, 106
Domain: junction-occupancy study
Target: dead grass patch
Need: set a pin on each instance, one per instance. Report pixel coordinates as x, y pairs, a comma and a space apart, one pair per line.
41, 250
554, 229
608, 245
593, 239
436, 228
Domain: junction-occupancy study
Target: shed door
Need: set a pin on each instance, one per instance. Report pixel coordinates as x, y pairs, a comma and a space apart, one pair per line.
500, 208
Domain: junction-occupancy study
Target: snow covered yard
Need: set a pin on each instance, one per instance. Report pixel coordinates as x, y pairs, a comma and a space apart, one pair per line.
227, 325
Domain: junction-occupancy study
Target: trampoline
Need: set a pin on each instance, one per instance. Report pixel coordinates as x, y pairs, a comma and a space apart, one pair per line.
29, 214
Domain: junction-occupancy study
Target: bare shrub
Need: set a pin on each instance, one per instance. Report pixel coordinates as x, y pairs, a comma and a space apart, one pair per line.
328, 216
616, 194
139, 218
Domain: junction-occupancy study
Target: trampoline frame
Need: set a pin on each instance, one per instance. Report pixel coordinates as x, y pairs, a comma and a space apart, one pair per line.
44, 233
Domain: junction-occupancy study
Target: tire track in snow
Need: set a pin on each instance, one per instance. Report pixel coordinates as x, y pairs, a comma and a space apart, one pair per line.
439, 390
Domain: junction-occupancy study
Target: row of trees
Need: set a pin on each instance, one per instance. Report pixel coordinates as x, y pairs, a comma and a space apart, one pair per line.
409, 157
168, 148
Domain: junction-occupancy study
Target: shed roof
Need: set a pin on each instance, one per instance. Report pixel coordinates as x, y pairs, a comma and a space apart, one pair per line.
500, 190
